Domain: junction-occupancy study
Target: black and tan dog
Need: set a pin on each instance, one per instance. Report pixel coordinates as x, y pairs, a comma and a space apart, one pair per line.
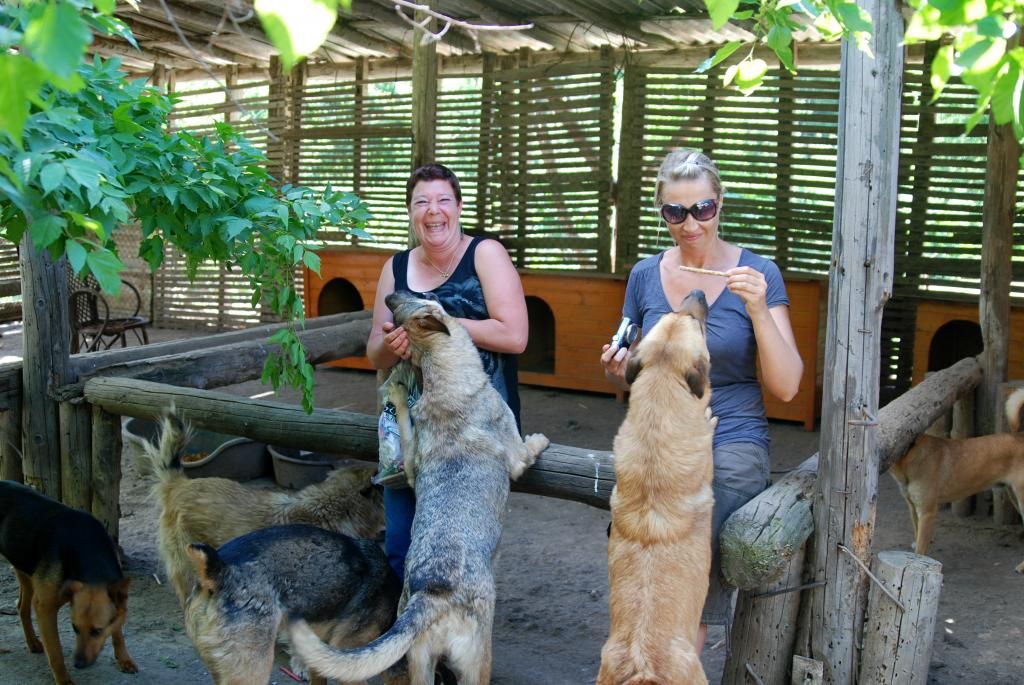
463, 451
939, 470
215, 510
63, 555
343, 587
659, 550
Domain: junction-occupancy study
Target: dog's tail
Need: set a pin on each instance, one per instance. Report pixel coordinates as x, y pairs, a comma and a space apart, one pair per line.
165, 456
1015, 410
361, 663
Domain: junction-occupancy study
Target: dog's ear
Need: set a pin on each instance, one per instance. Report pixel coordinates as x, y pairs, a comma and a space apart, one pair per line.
70, 589
633, 368
209, 567
697, 378
432, 323
118, 591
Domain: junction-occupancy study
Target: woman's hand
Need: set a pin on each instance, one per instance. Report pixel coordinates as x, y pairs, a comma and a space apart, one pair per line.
396, 340
614, 362
750, 286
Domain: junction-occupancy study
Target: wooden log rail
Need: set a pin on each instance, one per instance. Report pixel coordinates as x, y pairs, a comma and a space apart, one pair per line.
561, 471
142, 360
759, 539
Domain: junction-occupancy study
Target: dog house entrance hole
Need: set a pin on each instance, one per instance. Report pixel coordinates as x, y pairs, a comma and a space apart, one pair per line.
954, 341
539, 356
337, 297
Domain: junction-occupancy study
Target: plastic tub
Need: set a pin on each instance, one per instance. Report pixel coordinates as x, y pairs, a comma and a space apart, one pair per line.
295, 468
209, 454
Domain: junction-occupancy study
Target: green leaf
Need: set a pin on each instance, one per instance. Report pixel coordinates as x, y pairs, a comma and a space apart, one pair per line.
942, 67
56, 40
750, 74
106, 267
854, 17
297, 28
236, 225
721, 11
19, 77
312, 261
47, 229
83, 171
780, 40
76, 254
105, 6
51, 177
721, 54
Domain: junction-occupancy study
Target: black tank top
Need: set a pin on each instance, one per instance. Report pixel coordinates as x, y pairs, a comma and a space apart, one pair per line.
462, 296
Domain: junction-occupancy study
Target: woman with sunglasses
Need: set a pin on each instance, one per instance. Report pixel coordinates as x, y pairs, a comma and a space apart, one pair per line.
748, 322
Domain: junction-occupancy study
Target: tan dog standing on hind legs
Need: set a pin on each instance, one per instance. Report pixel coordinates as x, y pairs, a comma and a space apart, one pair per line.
940, 470
659, 550
464, 449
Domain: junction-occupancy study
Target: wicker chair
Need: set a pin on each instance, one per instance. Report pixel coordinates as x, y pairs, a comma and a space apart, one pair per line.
92, 325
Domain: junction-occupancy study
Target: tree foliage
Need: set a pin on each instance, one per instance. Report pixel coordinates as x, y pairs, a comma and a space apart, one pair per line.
91, 152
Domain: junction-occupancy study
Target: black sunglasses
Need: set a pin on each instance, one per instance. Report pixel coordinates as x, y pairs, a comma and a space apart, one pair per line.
704, 210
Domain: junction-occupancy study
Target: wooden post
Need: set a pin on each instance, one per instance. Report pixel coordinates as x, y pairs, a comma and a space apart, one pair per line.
629, 195
521, 172
604, 224
10, 450
898, 639
1004, 507
846, 491
359, 90
1001, 172
487, 124
76, 455
764, 629
424, 92
277, 122
106, 469
47, 340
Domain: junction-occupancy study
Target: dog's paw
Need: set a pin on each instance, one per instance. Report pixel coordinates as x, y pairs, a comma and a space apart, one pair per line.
710, 418
127, 665
298, 667
1020, 567
398, 394
35, 645
535, 444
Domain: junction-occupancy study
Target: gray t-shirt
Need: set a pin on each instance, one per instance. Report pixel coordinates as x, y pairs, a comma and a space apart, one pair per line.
735, 392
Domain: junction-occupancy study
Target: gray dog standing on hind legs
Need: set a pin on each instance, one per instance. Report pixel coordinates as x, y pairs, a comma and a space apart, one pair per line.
463, 450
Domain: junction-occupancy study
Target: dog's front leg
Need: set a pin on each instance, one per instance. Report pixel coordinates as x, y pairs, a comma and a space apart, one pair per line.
46, 605
398, 395
25, 612
525, 454
125, 663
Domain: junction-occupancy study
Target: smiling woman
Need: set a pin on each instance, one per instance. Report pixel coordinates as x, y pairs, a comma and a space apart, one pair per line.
474, 280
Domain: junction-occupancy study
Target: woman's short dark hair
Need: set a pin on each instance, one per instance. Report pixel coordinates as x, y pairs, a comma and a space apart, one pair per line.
432, 172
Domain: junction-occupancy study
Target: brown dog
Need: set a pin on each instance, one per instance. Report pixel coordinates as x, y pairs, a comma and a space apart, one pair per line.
215, 510
63, 555
659, 551
939, 470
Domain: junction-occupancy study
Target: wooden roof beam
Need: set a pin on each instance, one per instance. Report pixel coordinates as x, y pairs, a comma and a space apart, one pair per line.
491, 15
148, 35
384, 12
116, 48
626, 26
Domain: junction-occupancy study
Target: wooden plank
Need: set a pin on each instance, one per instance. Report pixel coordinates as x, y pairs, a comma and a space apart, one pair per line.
106, 469
76, 455
424, 93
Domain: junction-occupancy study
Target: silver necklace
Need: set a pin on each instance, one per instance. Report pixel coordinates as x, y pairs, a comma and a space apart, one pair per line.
445, 273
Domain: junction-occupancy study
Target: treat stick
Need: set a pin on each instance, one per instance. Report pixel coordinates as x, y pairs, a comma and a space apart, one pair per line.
708, 272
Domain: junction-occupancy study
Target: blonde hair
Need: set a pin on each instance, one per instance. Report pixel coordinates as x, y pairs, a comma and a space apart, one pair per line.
684, 165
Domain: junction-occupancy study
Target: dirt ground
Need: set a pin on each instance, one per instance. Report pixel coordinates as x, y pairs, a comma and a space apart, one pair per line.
552, 610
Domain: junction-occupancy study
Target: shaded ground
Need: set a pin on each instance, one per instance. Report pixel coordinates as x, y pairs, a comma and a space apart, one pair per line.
552, 611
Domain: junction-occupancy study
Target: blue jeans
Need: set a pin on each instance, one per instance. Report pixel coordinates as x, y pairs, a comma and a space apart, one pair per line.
399, 509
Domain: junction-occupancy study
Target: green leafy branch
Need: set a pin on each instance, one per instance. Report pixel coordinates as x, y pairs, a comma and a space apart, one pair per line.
88, 160
984, 52
774, 23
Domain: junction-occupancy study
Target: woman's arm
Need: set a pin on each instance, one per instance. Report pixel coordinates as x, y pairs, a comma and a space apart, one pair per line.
781, 365
508, 327
386, 344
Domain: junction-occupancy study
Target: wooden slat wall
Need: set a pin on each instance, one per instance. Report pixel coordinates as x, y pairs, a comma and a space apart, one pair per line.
218, 298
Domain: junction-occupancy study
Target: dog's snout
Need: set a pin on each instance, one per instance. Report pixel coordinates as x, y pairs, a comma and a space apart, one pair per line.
696, 305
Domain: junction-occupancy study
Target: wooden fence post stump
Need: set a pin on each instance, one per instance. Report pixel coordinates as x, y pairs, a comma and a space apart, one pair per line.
106, 469
898, 639
76, 455
764, 629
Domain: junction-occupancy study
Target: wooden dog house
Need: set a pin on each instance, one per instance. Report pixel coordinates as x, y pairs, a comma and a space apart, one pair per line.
946, 332
571, 316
